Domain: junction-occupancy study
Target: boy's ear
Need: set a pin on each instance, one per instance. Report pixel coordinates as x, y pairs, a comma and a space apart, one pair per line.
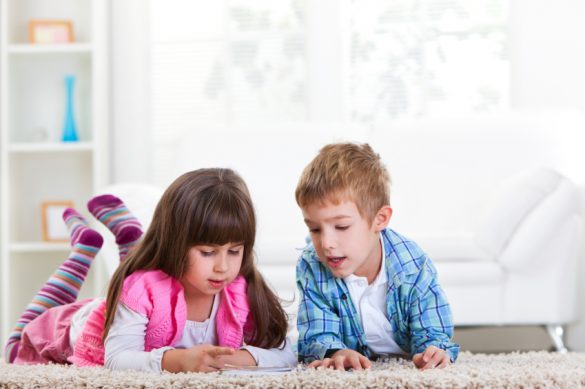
382, 218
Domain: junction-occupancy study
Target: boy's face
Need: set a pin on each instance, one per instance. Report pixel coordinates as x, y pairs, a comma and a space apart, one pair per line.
346, 242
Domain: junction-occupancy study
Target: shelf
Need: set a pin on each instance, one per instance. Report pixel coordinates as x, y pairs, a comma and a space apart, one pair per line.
32, 247
50, 147
25, 48
36, 166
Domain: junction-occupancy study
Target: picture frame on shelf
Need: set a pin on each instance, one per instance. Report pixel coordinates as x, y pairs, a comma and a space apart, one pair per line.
54, 229
50, 31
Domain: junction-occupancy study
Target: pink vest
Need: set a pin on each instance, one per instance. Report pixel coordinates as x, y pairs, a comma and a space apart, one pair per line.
161, 299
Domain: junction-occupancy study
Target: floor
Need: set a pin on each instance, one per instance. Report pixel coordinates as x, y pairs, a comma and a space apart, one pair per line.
502, 339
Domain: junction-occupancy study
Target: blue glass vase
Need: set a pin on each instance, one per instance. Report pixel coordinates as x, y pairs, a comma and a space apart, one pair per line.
70, 127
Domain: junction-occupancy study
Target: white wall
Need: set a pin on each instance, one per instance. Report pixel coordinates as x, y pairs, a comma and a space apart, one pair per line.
130, 120
547, 54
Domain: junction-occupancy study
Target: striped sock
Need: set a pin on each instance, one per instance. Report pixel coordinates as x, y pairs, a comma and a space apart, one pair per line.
114, 214
64, 285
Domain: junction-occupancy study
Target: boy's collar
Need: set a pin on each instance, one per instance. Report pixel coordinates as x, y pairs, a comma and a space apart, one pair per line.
382, 277
395, 270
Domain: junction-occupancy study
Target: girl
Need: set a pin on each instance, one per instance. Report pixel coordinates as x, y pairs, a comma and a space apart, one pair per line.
188, 297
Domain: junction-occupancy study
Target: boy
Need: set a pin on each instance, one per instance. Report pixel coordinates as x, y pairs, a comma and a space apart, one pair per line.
365, 291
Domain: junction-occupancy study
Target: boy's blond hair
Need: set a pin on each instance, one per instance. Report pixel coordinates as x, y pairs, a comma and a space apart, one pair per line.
346, 171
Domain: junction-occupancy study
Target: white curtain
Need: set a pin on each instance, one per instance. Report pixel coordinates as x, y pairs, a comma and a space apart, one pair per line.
238, 63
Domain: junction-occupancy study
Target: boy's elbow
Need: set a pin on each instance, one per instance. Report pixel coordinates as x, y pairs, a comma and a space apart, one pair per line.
308, 352
303, 354
302, 358
453, 351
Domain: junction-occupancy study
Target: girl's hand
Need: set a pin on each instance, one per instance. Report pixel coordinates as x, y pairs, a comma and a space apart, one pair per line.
344, 359
202, 358
432, 357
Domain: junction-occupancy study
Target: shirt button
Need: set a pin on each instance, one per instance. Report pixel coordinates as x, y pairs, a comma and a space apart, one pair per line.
344, 296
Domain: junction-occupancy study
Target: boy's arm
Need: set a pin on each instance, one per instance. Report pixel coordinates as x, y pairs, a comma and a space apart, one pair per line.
318, 324
431, 321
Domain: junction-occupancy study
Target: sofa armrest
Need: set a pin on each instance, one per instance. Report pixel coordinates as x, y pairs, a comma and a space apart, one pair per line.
539, 228
526, 213
511, 204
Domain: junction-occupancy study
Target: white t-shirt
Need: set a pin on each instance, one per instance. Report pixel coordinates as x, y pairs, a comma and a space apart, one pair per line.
370, 303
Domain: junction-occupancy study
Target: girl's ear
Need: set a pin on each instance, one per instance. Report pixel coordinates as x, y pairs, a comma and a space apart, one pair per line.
382, 218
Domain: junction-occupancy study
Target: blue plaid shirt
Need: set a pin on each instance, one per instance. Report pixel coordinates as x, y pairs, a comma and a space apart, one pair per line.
415, 303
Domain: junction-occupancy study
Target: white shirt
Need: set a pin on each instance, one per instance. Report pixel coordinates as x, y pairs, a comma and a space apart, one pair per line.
370, 303
124, 345
197, 332
79, 318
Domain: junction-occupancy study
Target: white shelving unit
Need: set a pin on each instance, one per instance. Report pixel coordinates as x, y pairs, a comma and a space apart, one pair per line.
35, 165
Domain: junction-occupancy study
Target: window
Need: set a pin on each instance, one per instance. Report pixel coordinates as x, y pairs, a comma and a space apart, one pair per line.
415, 58
356, 61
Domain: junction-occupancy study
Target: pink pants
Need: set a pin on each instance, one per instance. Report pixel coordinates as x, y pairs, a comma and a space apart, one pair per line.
46, 338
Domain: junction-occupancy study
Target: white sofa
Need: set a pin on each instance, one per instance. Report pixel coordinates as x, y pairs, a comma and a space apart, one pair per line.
494, 200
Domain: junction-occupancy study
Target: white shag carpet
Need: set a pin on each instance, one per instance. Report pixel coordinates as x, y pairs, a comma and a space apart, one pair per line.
518, 370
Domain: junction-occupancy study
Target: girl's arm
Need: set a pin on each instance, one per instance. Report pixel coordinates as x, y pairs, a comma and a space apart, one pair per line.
125, 349
124, 345
241, 357
274, 357
201, 358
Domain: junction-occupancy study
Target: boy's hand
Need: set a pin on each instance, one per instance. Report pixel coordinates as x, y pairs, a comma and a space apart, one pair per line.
344, 359
432, 357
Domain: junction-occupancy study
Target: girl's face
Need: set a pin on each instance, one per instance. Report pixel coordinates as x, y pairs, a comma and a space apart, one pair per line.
211, 267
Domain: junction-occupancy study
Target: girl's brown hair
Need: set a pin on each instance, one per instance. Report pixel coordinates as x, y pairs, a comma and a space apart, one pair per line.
205, 206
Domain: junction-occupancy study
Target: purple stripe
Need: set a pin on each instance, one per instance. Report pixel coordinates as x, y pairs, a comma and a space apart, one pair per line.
56, 292
75, 267
62, 296
82, 255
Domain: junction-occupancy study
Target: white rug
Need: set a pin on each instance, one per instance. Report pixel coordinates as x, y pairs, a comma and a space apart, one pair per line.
526, 370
